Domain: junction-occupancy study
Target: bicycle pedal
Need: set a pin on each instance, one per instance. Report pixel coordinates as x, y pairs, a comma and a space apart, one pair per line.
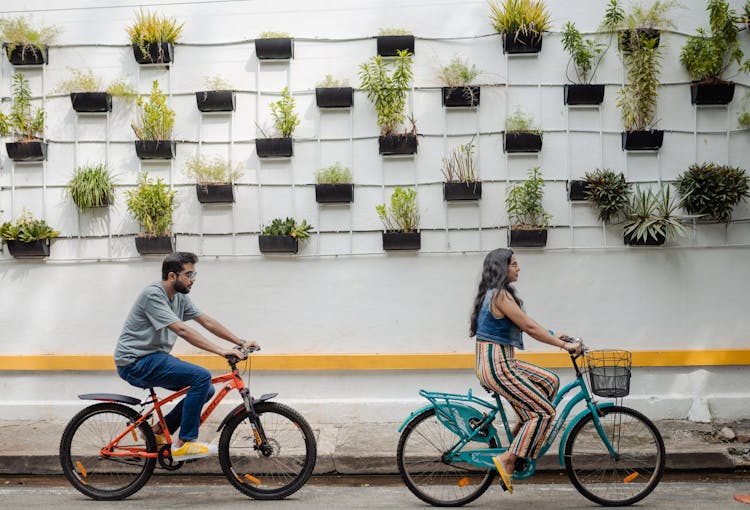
520, 464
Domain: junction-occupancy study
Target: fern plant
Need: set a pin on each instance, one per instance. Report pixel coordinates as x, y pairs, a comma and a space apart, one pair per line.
27, 229
330, 82
24, 123
458, 73
521, 122
87, 81
217, 170
288, 227
19, 32
334, 174
402, 214
386, 85
283, 114
216, 82
523, 202
152, 204
92, 186
155, 118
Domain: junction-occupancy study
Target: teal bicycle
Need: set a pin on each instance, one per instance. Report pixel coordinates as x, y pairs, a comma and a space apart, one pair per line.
613, 455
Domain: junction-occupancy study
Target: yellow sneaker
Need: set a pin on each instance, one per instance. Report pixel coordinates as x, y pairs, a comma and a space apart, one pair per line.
192, 450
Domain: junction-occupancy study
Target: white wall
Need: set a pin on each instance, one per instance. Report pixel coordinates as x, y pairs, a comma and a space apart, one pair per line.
343, 294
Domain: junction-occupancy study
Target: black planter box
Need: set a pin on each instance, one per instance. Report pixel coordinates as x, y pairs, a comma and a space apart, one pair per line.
711, 93
650, 33
31, 56
91, 102
215, 100
574, 95
649, 241
527, 238
461, 97
518, 43
156, 53
155, 149
402, 240
27, 151
157, 245
274, 147
522, 142
576, 190
642, 140
334, 97
334, 193
34, 249
215, 193
276, 48
278, 244
397, 144
454, 191
388, 45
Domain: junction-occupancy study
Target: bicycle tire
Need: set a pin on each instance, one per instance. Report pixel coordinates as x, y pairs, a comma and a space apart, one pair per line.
419, 455
279, 472
604, 480
98, 477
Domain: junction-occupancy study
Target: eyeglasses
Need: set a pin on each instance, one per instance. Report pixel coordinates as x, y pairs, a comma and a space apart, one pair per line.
190, 275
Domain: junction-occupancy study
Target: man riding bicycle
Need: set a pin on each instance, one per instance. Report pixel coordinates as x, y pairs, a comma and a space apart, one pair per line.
148, 335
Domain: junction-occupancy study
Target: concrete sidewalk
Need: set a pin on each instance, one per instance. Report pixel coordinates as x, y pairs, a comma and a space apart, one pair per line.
31, 448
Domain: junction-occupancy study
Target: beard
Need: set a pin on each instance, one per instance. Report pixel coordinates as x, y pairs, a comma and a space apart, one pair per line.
181, 287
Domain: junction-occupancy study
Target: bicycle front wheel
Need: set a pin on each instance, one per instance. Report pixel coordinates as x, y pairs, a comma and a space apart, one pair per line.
276, 469
426, 472
618, 480
98, 475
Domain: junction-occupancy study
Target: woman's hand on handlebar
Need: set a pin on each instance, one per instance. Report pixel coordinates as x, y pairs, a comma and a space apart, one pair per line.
574, 346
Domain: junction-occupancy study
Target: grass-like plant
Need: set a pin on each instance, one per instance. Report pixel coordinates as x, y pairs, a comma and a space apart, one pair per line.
706, 57
402, 215
216, 170
92, 185
330, 82
458, 73
283, 114
713, 190
24, 123
334, 174
27, 229
87, 81
288, 227
519, 16
151, 28
637, 99
155, 118
521, 122
585, 54
19, 32
152, 204
460, 166
270, 34
393, 31
386, 85
610, 192
652, 215
217, 82
523, 201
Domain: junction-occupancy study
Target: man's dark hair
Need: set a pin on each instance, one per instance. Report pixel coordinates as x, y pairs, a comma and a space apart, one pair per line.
174, 261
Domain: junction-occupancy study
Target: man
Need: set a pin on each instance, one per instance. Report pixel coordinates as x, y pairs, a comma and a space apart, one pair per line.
151, 330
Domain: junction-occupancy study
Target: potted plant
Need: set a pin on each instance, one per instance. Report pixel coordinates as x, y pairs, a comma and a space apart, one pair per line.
25, 123
528, 219
283, 236
92, 185
459, 169
87, 95
401, 221
24, 44
457, 89
386, 85
651, 219
333, 93
706, 57
521, 135
274, 46
153, 127
153, 36
585, 55
334, 185
520, 23
219, 95
152, 204
610, 193
285, 120
642, 24
392, 40
712, 191
27, 237
743, 117
214, 178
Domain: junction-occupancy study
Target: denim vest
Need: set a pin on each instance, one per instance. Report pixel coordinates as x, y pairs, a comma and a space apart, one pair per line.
501, 331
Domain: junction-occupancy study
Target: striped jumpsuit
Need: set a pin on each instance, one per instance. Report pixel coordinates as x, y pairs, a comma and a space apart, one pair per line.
529, 389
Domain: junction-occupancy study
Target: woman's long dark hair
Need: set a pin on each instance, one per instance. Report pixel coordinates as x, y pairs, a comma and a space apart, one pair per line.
494, 276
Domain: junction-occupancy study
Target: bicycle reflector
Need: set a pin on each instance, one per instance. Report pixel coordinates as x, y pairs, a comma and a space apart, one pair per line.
630, 477
463, 482
252, 479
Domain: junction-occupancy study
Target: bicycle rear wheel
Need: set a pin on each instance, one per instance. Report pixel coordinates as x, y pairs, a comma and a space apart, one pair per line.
619, 481
105, 477
283, 467
424, 470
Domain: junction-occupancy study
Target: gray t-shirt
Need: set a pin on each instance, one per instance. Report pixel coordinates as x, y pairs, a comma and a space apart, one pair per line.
145, 330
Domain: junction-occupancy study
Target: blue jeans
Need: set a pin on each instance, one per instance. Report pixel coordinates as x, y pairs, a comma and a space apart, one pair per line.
163, 370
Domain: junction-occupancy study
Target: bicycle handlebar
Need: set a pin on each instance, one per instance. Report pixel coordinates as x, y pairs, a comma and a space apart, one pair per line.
232, 359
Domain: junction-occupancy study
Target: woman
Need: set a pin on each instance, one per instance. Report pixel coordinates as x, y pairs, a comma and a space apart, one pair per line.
497, 321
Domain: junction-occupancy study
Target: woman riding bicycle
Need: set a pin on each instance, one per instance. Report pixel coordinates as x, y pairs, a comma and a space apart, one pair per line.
497, 321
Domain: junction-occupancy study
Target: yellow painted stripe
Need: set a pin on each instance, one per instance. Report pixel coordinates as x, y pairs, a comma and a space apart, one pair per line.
437, 361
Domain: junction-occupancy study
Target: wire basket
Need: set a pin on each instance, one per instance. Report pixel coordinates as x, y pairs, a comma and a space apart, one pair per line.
609, 372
